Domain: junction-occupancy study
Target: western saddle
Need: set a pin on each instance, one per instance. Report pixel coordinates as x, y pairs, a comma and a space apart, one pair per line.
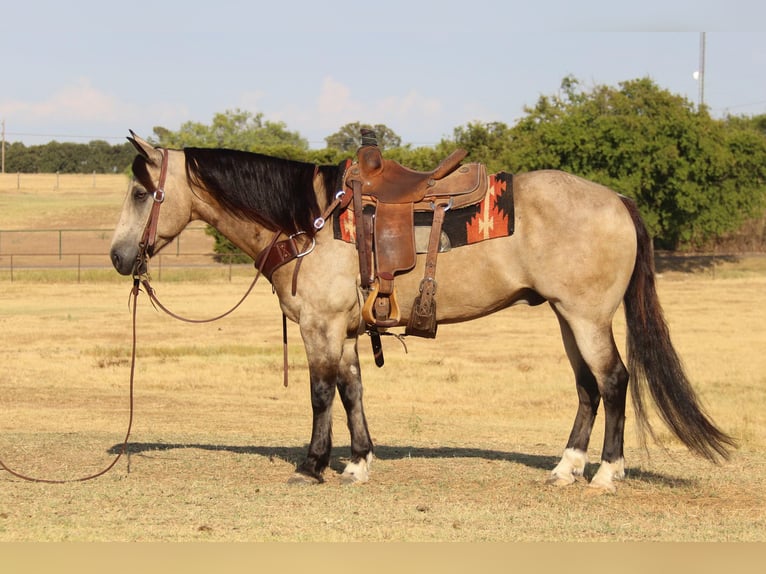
385, 240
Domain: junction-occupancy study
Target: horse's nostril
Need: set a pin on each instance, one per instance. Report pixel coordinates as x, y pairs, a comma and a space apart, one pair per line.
116, 260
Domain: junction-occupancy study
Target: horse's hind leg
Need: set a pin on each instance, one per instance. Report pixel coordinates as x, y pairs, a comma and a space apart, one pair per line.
600, 374
575, 455
613, 383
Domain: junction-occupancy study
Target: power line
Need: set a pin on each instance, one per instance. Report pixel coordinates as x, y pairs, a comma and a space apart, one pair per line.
762, 102
71, 136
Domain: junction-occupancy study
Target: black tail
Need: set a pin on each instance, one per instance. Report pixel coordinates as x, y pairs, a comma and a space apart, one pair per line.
654, 363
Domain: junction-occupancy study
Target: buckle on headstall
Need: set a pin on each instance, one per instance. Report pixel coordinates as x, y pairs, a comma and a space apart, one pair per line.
320, 221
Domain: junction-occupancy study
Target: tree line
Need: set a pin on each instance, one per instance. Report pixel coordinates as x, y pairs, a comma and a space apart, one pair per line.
64, 157
694, 177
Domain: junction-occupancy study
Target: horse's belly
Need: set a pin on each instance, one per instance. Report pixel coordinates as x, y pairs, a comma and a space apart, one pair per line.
471, 281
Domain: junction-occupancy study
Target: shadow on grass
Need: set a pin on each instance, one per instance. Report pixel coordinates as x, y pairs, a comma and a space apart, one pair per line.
295, 455
667, 262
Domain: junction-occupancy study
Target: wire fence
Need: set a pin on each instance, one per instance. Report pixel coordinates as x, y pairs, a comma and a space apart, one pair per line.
83, 255
58, 181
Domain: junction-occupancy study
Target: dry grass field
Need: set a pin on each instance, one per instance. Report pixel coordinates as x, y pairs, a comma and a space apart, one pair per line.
466, 427
48, 201
65, 222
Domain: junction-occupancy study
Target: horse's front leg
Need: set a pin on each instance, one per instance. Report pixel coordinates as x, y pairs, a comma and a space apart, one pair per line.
323, 380
334, 363
350, 390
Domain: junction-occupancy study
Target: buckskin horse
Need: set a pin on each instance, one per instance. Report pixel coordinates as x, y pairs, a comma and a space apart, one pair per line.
575, 244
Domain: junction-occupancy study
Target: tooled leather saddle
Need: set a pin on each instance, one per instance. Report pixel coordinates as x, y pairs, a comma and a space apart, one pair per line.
385, 240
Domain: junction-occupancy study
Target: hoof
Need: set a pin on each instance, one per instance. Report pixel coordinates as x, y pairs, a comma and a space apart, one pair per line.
357, 472
607, 473
347, 478
355, 476
298, 478
571, 465
602, 488
560, 480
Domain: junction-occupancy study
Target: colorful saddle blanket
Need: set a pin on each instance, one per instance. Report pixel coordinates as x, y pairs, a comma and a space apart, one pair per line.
491, 218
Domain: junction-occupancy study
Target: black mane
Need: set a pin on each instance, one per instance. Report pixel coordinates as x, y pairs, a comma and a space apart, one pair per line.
275, 192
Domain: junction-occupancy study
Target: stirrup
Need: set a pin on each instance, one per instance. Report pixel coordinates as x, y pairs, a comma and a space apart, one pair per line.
368, 313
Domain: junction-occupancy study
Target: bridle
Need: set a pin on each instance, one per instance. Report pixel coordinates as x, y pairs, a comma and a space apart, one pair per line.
149, 237
276, 254
149, 240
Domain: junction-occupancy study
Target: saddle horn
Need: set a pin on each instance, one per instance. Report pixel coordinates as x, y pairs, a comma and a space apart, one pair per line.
369, 137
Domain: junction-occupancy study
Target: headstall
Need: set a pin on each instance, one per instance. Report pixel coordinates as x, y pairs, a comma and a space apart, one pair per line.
149, 237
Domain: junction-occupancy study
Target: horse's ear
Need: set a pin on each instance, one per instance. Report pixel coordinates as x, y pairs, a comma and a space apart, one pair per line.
145, 149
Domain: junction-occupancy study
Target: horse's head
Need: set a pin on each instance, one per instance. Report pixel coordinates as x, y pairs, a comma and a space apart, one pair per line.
145, 228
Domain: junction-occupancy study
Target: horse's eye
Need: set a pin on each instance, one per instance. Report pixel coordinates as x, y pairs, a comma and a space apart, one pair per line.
140, 194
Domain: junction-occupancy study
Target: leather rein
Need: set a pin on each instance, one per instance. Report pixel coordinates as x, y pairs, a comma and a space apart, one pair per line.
276, 254
146, 246
124, 448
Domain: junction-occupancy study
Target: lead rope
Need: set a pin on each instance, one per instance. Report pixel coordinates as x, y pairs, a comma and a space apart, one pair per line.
158, 304
134, 293
155, 301
135, 290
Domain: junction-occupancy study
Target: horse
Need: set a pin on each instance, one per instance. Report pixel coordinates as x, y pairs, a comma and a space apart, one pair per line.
576, 245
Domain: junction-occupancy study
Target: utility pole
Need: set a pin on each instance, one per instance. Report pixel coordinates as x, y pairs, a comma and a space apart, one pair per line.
2, 153
702, 70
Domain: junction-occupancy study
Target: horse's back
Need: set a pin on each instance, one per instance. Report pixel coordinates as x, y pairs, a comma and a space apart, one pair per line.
565, 200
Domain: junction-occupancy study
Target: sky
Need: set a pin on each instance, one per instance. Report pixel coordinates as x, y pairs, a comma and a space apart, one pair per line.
82, 69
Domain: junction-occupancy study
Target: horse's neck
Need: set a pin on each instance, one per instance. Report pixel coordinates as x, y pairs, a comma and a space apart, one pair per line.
250, 236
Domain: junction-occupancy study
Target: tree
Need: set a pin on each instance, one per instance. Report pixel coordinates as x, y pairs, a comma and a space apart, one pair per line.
692, 177
241, 130
102, 157
96, 156
233, 129
19, 158
488, 143
349, 137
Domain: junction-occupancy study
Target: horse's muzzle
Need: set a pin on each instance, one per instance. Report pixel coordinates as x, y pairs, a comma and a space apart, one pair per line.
126, 263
